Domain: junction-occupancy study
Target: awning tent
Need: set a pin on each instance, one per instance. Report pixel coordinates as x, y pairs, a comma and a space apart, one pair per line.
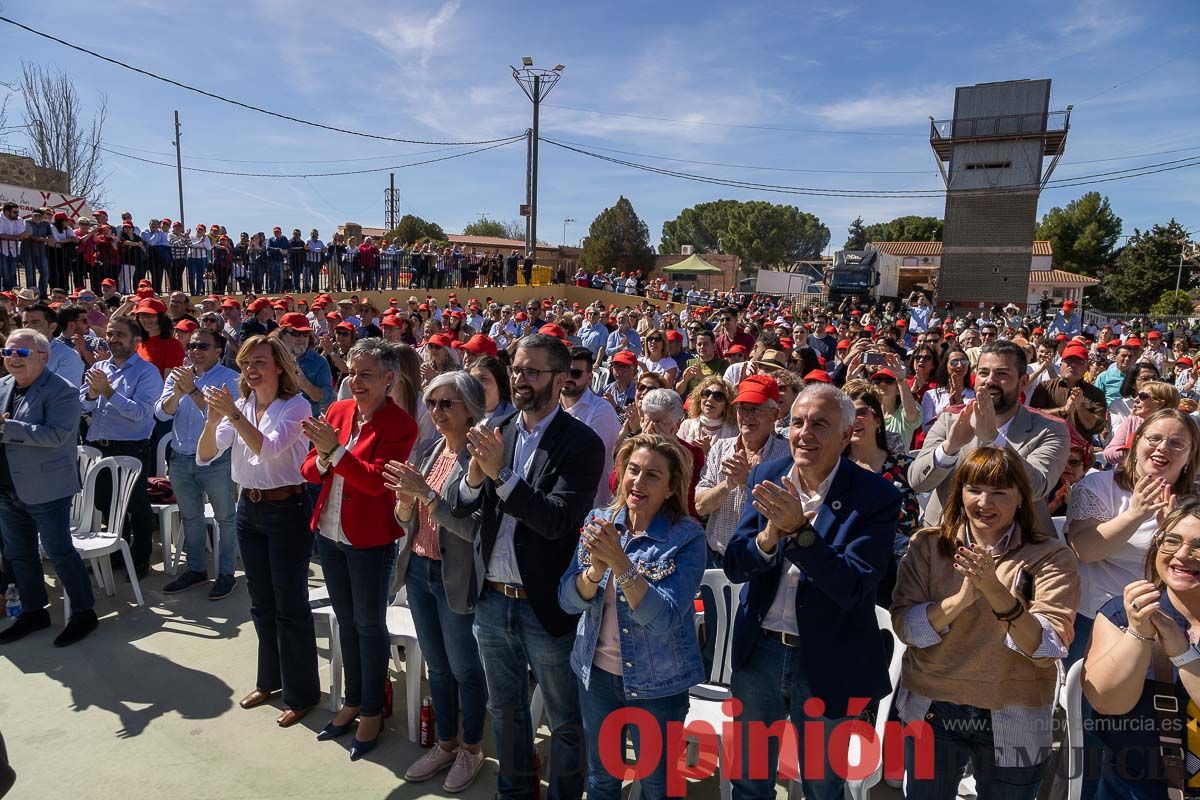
693, 265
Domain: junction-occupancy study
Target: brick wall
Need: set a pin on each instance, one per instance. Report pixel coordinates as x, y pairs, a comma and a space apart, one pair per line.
16, 170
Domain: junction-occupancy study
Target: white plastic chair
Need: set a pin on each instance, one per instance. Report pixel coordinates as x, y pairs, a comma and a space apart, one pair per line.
322, 612
706, 698
1060, 528
97, 545
169, 523
403, 631
1070, 697
860, 789
600, 378
83, 508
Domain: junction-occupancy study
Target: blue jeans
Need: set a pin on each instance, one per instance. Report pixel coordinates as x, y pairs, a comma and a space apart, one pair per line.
191, 484
451, 654
772, 687
963, 734
8, 271
37, 272
511, 640
275, 276
606, 695
276, 543
196, 268
21, 524
358, 579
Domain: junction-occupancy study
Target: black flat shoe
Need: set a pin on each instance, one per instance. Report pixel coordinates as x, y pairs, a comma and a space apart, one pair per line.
332, 731
27, 623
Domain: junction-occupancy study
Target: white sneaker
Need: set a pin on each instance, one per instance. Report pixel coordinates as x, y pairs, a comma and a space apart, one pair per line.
462, 774
434, 761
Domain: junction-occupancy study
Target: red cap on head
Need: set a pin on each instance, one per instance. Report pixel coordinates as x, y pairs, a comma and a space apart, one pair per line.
186, 326
1133, 341
737, 349
145, 292
844, 344
344, 326
480, 344
673, 336
624, 357
229, 302
108, 282
150, 305
555, 331
1075, 350
1062, 337
391, 321
296, 321
334, 316
818, 375
440, 340
1183, 361
1153, 335
757, 390
258, 305
1038, 331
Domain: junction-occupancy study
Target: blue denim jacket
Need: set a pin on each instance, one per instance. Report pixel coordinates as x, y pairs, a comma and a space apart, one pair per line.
658, 638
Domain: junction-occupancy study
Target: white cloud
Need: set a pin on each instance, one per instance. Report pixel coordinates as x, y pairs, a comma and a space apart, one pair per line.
405, 34
883, 108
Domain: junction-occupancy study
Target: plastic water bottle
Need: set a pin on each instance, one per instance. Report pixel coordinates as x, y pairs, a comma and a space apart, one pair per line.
12, 602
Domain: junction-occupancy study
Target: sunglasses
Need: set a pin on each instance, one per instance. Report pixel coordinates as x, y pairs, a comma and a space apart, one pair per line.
20, 352
654, 339
443, 404
883, 381
198, 346
578, 373
644, 388
1144, 396
714, 394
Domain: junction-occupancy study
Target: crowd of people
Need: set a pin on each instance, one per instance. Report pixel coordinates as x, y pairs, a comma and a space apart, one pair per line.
549, 483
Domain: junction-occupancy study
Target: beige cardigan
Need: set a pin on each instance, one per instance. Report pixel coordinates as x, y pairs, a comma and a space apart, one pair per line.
972, 665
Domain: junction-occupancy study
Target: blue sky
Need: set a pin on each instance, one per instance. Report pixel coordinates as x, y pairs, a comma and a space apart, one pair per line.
438, 70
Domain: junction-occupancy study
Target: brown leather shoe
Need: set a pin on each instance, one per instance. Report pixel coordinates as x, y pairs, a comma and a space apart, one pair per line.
291, 716
255, 699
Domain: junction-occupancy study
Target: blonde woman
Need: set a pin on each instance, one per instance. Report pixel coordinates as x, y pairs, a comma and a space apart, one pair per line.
710, 413
1151, 396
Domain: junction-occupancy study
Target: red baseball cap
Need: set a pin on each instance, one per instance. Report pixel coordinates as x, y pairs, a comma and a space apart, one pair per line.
1153, 335
229, 302
757, 390
344, 326
1075, 350
480, 344
186, 326
555, 331
1184, 361
150, 305
844, 344
391, 321
818, 375
885, 372
624, 357
1133, 341
108, 282
737, 349
296, 321
258, 305
440, 340
673, 336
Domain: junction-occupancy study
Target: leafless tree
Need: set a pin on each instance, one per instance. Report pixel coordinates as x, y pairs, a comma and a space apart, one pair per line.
514, 229
60, 136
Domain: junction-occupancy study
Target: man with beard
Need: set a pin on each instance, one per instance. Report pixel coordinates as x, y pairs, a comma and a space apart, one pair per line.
314, 376
583, 404
120, 393
995, 417
1069, 396
531, 481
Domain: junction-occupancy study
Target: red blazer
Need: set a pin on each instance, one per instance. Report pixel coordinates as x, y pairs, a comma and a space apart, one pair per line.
367, 518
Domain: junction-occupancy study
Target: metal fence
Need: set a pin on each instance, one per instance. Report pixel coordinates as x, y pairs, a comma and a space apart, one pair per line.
202, 270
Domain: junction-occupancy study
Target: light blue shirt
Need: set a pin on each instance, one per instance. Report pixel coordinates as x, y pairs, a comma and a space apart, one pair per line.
316, 370
918, 318
593, 337
66, 362
189, 419
1061, 324
614, 342
127, 416
502, 566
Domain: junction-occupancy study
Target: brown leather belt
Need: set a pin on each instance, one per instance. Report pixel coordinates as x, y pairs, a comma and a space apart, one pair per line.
270, 495
515, 592
786, 639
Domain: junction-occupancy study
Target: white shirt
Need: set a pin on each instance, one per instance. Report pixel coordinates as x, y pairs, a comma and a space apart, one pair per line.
330, 523
598, 414
734, 373
284, 447
944, 461
660, 367
781, 616
11, 227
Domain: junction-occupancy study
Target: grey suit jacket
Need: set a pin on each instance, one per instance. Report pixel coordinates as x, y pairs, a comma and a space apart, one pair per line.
461, 549
1041, 442
40, 438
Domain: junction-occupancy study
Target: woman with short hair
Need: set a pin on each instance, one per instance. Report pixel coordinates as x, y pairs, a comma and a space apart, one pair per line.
439, 571
710, 413
1150, 397
985, 604
357, 531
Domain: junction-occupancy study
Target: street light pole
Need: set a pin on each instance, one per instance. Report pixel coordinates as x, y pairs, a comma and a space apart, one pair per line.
564, 236
537, 84
179, 167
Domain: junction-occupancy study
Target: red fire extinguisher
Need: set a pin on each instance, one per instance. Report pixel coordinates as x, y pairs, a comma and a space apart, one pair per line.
425, 734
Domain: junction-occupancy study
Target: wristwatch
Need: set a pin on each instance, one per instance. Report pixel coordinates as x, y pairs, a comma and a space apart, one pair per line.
235, 417
504, 476
430, 498
806, 536
1186, 657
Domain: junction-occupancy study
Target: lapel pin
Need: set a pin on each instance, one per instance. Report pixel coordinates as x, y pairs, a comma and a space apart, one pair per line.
836, 505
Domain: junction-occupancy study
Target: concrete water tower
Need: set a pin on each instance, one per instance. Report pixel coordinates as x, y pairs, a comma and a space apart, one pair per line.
991, 157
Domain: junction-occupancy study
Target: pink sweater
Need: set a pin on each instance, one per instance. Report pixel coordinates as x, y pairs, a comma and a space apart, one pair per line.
1122, 438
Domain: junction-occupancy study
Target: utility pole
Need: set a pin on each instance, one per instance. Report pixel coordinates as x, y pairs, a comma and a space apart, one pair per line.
537, 84
179, 168
564, 236
391, 202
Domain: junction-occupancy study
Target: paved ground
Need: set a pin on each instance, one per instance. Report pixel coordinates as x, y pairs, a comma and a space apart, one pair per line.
146, 707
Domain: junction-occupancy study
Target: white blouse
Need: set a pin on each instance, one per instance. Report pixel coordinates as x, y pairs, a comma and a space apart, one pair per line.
284, 446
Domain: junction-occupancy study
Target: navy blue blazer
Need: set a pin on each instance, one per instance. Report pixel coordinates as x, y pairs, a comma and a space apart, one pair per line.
841, 651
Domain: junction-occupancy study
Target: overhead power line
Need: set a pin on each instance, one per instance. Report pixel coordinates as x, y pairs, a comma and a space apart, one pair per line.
1078, 180
783, 128
263, 161
231, 101
316, 174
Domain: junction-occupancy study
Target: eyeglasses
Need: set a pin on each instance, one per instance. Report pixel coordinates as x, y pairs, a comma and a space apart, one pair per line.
1171, 543
529, 373
1174, 444
714, 394
578, 373
198, 346
444, 404
1075, 462
654, 339
1143, 396
20, 352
